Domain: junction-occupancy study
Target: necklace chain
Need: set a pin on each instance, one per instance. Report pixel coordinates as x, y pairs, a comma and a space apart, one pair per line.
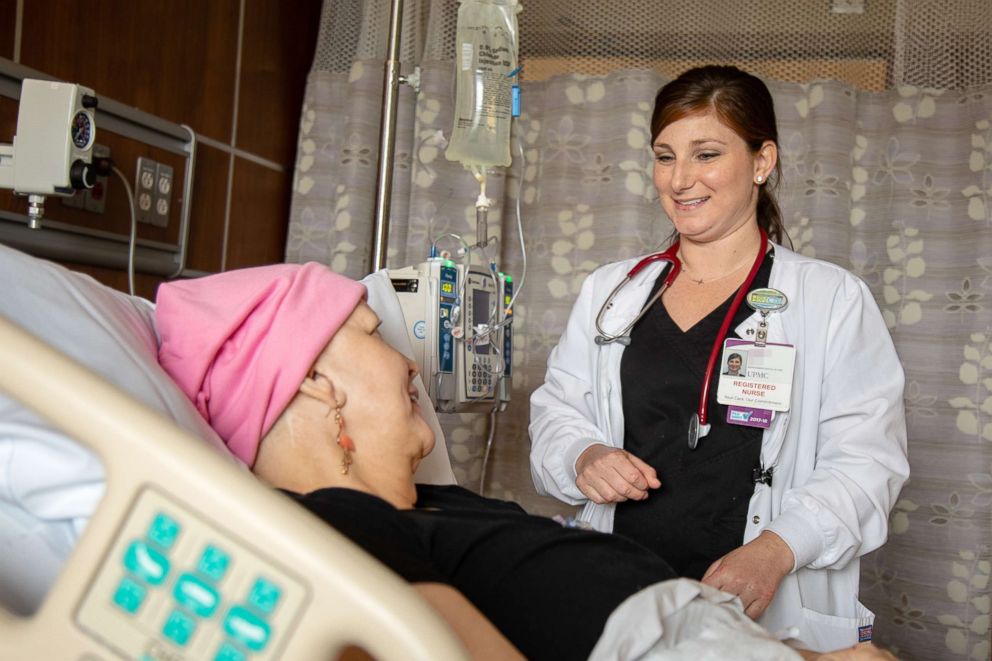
700, 281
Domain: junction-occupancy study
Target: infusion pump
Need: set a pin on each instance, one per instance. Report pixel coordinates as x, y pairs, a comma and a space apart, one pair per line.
460, 329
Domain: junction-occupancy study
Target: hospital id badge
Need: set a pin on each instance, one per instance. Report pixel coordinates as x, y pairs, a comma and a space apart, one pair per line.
753, 377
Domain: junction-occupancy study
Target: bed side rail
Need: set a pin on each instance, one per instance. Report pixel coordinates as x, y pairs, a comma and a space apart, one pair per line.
187, 554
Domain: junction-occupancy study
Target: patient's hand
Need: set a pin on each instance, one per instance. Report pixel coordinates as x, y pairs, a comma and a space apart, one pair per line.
753, 572
611, 475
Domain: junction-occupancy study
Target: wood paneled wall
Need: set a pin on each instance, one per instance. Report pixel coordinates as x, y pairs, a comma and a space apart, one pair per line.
233, 70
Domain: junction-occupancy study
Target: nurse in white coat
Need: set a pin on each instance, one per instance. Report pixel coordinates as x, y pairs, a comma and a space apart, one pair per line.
777, 512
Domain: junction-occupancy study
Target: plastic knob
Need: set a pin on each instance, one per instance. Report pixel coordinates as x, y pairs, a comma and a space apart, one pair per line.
81, 175
90, 101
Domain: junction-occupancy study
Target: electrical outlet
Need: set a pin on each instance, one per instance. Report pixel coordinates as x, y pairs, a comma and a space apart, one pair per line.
163, 195
144, 190
95, 199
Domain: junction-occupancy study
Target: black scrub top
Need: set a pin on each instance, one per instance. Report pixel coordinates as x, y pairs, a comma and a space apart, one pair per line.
698, 515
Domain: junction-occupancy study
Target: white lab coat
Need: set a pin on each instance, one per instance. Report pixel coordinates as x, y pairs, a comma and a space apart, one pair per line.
839, 453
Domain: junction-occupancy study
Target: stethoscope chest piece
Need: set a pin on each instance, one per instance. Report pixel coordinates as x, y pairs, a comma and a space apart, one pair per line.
696, 431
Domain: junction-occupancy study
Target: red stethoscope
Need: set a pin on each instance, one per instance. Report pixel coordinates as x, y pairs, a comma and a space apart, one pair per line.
698, 427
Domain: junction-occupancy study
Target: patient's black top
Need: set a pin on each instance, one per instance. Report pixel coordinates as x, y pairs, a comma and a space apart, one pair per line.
549, 589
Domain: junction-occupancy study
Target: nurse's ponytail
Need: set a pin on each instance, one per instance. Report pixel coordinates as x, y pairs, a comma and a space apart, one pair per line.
743, 103
769, 215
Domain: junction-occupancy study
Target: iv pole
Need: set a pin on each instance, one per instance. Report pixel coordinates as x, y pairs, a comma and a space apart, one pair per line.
387, 138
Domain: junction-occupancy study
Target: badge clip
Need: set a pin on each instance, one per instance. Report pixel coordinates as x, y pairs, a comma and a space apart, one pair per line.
764, 301
761, 476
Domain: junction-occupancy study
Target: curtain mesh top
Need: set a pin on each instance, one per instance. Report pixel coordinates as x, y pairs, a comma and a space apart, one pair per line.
870, 44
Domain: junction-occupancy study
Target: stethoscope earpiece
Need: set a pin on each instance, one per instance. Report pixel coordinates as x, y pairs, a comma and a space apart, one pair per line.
623, 337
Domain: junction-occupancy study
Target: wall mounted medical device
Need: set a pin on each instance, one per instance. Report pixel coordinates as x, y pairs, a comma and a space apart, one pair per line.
461, 333
52, 152
188, 556
47, 153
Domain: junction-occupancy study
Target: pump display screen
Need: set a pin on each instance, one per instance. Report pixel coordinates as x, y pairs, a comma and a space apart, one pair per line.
480, 315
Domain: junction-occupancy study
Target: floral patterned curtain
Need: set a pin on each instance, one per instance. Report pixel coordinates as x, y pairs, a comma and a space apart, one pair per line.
895, 186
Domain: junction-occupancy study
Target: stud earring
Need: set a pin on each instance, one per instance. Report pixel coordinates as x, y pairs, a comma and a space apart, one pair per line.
344, 441
759, 179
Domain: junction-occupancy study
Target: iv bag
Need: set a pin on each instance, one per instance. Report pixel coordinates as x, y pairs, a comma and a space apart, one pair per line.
486, 52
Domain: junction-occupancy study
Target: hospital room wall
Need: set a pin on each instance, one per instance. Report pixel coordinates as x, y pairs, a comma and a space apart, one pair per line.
233, 70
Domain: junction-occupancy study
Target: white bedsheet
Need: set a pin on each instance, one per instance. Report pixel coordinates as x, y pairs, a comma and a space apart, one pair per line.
684, 620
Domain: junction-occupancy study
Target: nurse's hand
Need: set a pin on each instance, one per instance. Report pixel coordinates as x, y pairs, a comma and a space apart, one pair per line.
753, 572
611, 475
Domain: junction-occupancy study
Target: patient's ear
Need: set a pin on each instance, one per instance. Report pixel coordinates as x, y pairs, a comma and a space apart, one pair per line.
319, 387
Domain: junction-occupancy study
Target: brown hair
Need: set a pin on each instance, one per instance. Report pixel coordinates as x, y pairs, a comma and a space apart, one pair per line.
743, 103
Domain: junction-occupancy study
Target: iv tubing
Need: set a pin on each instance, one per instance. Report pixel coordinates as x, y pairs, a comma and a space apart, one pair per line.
482, 204
489, 447
520, 233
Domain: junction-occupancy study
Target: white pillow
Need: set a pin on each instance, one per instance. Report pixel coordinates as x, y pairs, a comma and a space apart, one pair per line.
436, 467
49, 484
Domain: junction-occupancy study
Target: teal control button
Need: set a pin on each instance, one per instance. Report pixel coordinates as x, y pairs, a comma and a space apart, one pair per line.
163, 531
213, 563
247, 628
196, 595
228, 652
146, 563
264, 596
129, 595
179, 627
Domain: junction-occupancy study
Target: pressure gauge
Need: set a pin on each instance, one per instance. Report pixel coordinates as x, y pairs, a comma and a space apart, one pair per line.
82, 130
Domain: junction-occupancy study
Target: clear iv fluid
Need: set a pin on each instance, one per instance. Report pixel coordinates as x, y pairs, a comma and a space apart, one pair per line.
486, 38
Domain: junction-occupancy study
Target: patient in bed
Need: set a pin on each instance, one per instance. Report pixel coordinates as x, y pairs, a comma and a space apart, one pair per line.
286, 364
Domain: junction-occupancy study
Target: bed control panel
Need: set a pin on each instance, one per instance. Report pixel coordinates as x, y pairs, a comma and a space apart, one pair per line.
174, 587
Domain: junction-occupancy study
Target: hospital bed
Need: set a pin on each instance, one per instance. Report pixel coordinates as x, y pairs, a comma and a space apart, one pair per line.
147, 540
185, 555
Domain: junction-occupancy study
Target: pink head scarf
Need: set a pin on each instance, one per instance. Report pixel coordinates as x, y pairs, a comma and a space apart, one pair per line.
240, 343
